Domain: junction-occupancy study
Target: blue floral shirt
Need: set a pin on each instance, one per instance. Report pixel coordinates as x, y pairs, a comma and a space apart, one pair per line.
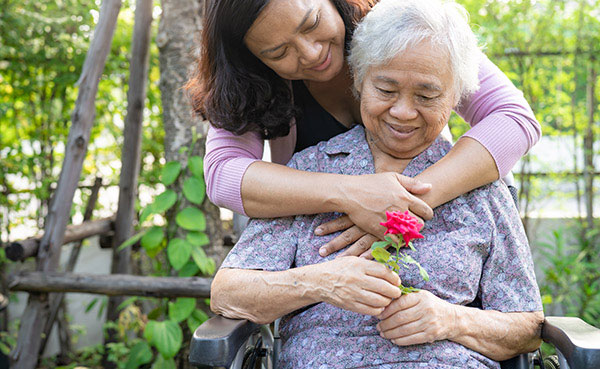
475, 250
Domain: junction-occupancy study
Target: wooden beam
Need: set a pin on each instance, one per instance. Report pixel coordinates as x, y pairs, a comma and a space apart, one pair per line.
20, 250
33, 320
111, 284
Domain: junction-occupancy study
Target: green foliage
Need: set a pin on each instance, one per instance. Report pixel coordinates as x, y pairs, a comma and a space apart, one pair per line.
180, 230
166, 336
140, 354
571, 282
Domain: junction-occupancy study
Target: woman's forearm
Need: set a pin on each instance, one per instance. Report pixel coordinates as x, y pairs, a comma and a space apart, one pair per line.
467, 166
272, 190
265, 296
497, 335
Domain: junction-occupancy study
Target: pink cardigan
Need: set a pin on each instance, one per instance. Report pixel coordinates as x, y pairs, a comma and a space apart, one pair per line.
501, 120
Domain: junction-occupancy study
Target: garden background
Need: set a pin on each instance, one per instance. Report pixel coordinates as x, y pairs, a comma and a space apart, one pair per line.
549, 49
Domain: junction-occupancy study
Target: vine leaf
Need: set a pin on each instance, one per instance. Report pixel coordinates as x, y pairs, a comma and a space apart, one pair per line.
194, 190
196, 166
181, 308
170, 172
191, 219
178, 252
166, 336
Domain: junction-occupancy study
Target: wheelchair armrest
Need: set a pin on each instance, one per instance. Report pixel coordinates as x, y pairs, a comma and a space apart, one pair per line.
578, 341
217, 341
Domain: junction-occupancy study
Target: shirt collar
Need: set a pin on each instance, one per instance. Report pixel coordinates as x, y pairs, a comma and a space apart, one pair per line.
354, 144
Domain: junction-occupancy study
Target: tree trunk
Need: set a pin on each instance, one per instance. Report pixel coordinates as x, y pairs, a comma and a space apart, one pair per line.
178, 42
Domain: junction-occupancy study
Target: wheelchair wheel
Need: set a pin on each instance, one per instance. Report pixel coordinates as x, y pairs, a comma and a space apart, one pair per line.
253, 356
551, 362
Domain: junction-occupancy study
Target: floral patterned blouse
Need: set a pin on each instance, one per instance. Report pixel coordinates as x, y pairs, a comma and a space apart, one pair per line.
475, 251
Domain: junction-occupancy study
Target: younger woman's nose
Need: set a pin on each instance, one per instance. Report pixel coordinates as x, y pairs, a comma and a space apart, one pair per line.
309, 52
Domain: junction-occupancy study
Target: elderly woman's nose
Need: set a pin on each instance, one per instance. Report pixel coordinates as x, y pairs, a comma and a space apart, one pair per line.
403, 109
309, 51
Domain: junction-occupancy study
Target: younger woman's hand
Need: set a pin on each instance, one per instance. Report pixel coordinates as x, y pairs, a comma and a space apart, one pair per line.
366, 198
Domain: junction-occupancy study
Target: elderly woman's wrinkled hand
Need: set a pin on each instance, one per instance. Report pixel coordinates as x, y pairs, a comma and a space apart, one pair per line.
358, 285
418, 318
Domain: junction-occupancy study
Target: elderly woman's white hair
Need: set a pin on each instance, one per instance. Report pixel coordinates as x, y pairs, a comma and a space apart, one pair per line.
394, 26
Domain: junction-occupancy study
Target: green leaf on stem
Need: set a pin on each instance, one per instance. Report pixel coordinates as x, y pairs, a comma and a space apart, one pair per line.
140, 354
148, 210
131, 240
381, 255
191, 219
189, 270
164, 201
152, 239
170, 172
181, 308
198, 317
205, 264
379, 244
197, 238
166, 336
196, 166
194, 190
162, 363
389, 239
179, 251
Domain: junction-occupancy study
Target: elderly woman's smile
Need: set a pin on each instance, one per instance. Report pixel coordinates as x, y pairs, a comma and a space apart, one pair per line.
406, 103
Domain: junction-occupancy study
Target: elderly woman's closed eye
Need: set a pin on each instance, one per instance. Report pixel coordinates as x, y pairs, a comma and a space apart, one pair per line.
412, 61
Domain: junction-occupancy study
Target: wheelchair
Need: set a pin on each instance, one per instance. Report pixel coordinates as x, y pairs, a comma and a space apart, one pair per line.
240, 344
219, 343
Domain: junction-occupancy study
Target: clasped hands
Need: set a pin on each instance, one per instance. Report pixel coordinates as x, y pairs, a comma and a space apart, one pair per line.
365, 201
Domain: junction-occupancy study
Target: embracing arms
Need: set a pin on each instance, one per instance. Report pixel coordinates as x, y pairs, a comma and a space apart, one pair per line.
504, 128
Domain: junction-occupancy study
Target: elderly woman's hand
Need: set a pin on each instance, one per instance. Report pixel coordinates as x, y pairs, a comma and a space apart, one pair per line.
356, 284
416, 318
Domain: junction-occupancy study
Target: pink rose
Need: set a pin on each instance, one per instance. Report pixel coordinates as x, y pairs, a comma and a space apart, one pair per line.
404, 224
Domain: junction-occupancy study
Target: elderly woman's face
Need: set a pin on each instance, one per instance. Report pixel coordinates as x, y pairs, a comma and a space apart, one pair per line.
406, 103
299, 39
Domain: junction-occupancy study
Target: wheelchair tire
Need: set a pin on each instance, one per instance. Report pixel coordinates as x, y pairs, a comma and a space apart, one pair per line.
551, 362
253, 356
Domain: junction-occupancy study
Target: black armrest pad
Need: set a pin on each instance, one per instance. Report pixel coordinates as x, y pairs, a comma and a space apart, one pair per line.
216, 341
578, 341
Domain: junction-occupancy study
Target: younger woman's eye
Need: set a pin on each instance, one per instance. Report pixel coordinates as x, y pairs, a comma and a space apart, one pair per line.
280, 56
316, 23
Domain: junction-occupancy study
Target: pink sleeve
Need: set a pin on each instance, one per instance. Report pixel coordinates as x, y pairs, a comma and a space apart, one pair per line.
500, 117
226, 159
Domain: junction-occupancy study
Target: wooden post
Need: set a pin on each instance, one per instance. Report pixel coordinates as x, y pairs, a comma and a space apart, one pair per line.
56, 301
130, 154
25, 354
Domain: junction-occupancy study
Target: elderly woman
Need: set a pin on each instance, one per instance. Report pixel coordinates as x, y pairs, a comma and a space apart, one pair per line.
412, 60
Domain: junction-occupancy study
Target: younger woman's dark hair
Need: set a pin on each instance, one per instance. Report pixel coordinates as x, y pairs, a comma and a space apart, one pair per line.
232, 88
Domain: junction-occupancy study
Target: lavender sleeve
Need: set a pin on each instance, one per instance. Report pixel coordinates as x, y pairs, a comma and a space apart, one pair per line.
500, 117
225, 162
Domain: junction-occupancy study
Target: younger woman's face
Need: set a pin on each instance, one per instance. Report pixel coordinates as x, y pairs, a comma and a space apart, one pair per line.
299, 39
